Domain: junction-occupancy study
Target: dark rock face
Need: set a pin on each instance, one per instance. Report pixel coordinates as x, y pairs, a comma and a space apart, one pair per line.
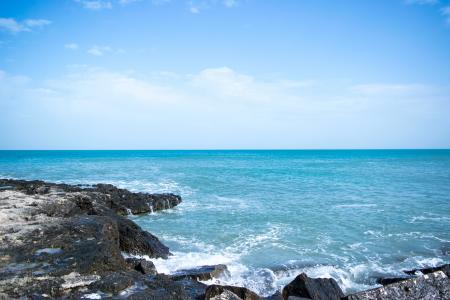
63, 241
313, 288
434, 286
141, 265
390, 280
201, 273
121, 201
216, 290
444, 268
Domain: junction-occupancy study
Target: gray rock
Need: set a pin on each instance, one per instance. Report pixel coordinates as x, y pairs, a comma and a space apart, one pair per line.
313, 288
243, 293
432, 286
201, 273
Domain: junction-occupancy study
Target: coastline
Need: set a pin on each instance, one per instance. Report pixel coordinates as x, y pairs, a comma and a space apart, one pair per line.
75, 242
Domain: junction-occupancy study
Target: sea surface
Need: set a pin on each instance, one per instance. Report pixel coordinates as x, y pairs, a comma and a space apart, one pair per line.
353, 215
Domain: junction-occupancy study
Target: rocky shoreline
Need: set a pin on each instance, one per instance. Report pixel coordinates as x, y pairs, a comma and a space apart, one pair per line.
60, 241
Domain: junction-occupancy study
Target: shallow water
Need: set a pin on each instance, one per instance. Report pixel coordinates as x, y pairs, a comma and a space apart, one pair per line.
269, 215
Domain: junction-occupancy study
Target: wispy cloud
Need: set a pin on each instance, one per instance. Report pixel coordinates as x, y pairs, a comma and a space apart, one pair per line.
422, 2
221, 107
71, 46
95, 4
14, 26
446, 13
102, 50
197, 6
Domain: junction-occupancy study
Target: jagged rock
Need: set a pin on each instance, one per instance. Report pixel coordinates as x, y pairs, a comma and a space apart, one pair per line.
193, 289
313, 288
201, 273
60, 241
141, 265
243, 293
226, 295
434, 286
444, 268
114, 282
276, 296
390, 280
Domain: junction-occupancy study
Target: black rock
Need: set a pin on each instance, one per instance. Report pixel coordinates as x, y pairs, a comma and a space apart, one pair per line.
141, 265
201, 273
243, 293
434, 286
313, 288
444, 268
389, 280
276, 296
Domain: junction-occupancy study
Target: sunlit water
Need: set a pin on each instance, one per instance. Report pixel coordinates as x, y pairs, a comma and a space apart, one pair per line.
269, 215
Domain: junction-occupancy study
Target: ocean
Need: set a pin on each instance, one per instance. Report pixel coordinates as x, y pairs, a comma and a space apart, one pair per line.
353, 215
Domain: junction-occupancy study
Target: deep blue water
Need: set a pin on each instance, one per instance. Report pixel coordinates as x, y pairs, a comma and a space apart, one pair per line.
269, 215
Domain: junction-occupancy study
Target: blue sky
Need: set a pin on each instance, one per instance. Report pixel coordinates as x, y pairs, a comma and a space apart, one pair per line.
219, 74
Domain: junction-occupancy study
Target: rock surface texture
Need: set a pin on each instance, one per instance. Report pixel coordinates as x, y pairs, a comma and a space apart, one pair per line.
429, 286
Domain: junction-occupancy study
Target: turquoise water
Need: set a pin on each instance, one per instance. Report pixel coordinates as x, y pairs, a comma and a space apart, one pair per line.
268, 215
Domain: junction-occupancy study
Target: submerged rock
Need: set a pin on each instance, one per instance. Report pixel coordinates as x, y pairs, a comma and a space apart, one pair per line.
434, 286
313, 288
201, 273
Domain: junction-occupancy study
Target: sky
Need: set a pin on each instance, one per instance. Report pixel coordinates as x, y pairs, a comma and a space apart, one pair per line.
224, 74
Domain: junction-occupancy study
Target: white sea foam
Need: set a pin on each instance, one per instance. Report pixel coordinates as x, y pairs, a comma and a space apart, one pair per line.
428, 218
356, 205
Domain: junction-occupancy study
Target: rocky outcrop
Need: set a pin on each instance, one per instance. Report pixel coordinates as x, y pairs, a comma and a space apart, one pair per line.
217, 291
64, 241
434, 286
201, 273
313, 288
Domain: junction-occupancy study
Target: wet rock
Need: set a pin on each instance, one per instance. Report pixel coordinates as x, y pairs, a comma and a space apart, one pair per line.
134, 240
276, 296
193, 289
201, 273
141, 265
243, 293
313, 288
434, 286
390, 280
114, 282
444, 268
226, 295
61, 241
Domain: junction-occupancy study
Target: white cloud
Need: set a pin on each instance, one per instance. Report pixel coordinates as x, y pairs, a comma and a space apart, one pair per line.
95, 4
216, 108
14, 26
71, 46
230, 3
99, 50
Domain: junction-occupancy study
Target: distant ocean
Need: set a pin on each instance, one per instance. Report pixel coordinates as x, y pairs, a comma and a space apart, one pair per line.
269, 215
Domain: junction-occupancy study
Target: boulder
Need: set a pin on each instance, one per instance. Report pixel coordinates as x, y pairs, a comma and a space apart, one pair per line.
313, 288
434, 286
201, 273
226, 295
241, 292
141, 265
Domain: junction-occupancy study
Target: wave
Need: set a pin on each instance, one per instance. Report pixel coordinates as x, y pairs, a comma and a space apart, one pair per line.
356, 205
